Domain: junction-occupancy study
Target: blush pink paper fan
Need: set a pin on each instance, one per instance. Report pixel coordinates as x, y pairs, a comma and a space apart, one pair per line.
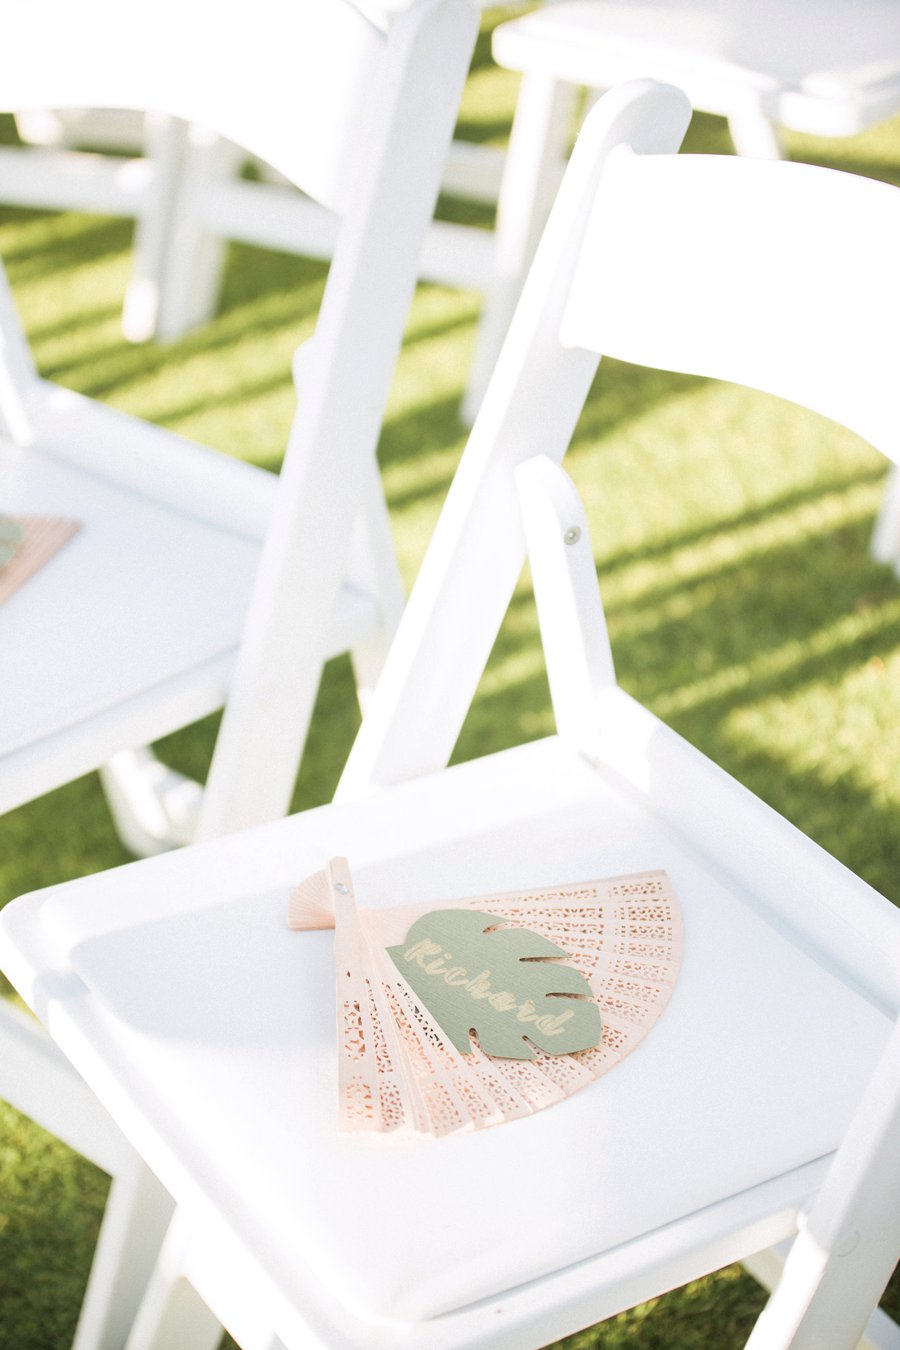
400, 1072
41, 538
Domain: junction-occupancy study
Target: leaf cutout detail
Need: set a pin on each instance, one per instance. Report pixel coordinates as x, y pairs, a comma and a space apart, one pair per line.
505, 984
10, 538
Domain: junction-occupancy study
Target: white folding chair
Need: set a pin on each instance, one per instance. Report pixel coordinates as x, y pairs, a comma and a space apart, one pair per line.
131, 673
767, 1097
182, 555
828, 67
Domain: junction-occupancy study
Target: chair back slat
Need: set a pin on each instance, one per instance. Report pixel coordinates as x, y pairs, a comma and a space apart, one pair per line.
220, 68
687, 260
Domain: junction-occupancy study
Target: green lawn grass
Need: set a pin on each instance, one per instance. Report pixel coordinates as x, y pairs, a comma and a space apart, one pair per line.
731, 532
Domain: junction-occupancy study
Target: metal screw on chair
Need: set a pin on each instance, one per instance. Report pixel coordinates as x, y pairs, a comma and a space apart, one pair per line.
572, 535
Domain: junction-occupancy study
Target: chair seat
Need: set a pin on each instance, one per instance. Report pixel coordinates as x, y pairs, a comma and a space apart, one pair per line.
830, 70
147, 595
244, 1040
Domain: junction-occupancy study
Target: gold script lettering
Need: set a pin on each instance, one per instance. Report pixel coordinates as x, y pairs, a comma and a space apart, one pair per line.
431, 956
456, 976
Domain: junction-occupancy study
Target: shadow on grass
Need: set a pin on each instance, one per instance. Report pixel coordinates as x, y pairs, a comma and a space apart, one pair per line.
252, 272
748, 606
93, 316
627, 392
94, 238
409, 438
107, 369
772, 628
622, 391
745, 519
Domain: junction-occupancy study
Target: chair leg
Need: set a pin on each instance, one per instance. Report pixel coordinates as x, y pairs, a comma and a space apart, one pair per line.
38, 1081
885, 546
194, 256
372, 565
767, 1266
538, 146
175, 1316
172, 1315
153, 807
201, 1268
753, 135
137, 1215
183, 1322
807, 1312
848, 1242
17, 369
164, 148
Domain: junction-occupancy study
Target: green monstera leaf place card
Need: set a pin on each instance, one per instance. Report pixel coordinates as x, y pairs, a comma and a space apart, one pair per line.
10, 538
504, 984
477, 1011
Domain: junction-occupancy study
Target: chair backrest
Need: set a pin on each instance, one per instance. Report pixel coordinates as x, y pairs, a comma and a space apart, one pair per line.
260, 77
775, 275
766, 273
